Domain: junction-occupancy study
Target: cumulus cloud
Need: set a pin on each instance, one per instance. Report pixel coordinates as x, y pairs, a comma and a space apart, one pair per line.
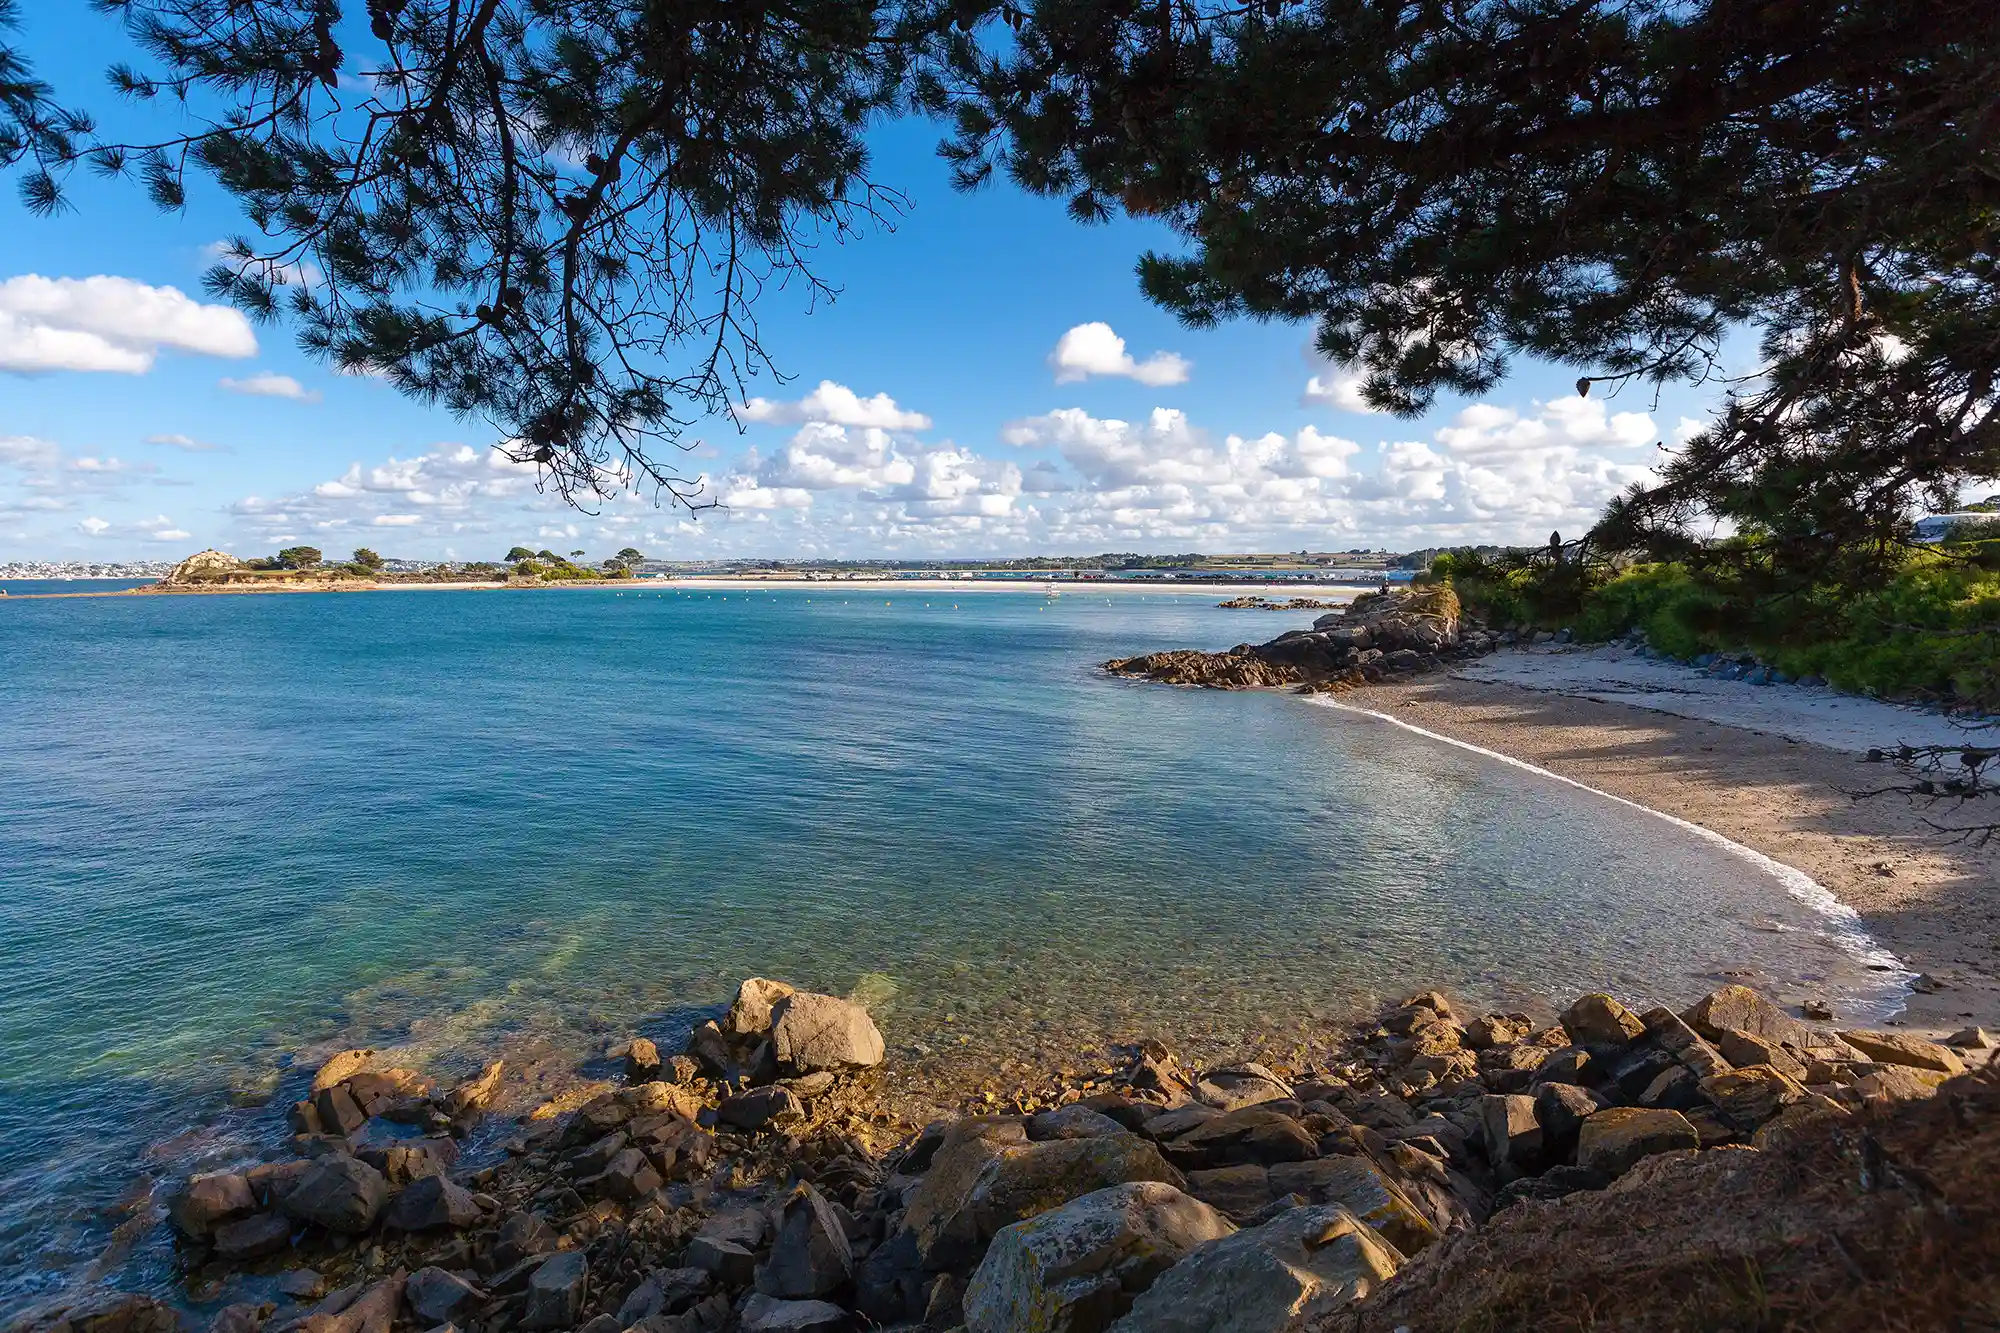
450, 489
1493, 473
1095, 350
268, 384
110, 324
835, 404
28, 453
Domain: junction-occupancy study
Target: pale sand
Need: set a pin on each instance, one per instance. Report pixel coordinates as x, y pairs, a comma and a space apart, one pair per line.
1934, 903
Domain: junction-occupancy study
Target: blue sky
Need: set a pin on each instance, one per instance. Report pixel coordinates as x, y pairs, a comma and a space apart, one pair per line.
966, 395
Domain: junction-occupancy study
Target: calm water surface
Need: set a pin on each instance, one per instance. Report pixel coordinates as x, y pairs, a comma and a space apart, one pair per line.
233, 827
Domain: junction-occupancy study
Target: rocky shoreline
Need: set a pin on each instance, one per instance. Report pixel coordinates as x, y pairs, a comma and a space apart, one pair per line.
754, 1181
1396, 634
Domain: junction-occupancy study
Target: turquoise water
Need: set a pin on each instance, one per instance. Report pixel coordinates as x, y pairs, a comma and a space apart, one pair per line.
235, 827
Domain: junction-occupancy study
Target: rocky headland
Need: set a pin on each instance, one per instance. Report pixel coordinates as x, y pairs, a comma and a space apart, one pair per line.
1729, 1165
1392, 635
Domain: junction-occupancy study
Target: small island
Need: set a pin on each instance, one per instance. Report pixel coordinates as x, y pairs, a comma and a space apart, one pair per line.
306, 569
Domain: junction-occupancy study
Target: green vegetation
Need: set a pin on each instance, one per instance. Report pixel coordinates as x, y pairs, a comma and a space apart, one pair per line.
1929, 628
300, 557
366, 558
519, 553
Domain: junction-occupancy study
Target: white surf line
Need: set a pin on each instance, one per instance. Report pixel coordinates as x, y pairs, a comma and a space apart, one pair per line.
1801, 886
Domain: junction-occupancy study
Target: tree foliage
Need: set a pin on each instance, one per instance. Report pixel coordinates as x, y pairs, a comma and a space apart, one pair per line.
555, 214
561, 215
300, 557
1614, 185
367, 558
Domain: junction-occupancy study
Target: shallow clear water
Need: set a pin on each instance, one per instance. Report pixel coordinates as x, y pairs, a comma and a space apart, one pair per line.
231, 827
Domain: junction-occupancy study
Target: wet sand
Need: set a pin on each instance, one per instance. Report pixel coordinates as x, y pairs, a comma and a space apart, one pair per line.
1932, 901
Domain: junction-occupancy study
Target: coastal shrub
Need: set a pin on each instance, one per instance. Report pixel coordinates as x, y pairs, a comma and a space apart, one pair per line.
1665, 602
1930, 627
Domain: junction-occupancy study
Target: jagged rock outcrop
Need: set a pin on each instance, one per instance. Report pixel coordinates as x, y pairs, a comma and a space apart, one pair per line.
1380, 635
202, 567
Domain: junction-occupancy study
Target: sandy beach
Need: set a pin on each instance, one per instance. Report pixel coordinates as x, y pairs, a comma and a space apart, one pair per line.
1933, 902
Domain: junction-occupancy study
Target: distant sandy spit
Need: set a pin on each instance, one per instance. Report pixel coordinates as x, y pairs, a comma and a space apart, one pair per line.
1062, 588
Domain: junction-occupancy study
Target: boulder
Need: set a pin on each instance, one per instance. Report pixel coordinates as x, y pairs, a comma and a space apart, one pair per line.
556, 1291
1897, 1048
708, 1046
1075, 1121
253, 1237
1600, 1021
336, 1110
1894, 1083
1747, 1049
1670, 1033
1749, 1097
339, 1068
1613, 1139
475, 1094
1241, 1085
1239, 1191
726, 1245
1512, 1133
628, 1177
642, 1061
750, 1014
413, 1159
431, 1204
766, 1314
1076, 1268
242, 1317
666, 1291
1494, 1030
1972, 1039
208, 1201
811, 1032
1561, 1109
1359, 1186
435, 1295
1743, 1010
1302, 1263
340, 1193
760, 1108
1248, 1134
110, 1312
811, 1256
977, 1186
522, 1236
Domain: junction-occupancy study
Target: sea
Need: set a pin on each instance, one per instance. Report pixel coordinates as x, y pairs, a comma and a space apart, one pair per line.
238, 832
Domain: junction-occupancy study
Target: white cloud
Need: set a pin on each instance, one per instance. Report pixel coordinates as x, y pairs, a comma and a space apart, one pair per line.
171, 535
267, 384
835, 404
740, 492
455, 487
1093, 349
93, 526
28, 453
1341, 389
185, 443
109, 324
